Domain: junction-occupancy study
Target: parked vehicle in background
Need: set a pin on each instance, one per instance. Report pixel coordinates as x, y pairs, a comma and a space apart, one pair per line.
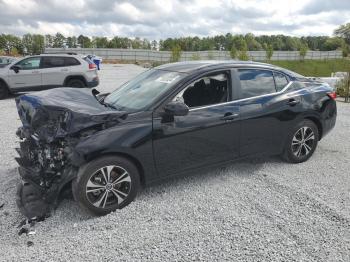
46, 71
96, 59
6, 60
170, 120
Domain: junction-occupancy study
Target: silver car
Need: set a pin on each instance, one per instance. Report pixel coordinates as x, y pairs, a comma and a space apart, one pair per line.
47, 71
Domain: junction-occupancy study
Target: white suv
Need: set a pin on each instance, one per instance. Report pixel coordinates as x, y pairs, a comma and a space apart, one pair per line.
47, 71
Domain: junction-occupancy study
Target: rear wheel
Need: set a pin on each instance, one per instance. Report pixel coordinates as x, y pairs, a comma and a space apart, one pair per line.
301, 142
75, 83
4, 92
106, 184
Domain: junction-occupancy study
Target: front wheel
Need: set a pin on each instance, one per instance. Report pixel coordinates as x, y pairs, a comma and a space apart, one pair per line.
301, 142
106, 184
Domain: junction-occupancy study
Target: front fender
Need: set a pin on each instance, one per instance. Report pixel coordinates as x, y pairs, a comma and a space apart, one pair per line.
133, 139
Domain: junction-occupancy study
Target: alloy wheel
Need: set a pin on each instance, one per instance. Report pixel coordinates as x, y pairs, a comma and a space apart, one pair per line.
108, 187
303, 142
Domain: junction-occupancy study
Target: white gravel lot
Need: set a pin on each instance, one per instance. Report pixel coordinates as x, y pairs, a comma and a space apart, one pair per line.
256, 210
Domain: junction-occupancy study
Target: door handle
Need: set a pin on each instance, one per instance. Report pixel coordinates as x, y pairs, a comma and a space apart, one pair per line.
35, 72
292, 102
229, 116
64, 70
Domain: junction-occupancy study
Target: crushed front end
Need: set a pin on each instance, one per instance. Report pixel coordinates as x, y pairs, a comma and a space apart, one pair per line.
54, 122
44, 169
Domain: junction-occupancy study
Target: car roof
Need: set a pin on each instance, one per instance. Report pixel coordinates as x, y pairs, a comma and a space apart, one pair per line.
61, 54
191, 66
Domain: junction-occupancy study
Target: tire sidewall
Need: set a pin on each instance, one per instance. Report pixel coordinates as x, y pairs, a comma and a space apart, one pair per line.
289, 155
4, 92
78, 82
86, 171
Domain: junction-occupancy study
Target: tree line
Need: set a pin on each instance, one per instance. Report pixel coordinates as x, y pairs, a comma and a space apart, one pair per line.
236, 44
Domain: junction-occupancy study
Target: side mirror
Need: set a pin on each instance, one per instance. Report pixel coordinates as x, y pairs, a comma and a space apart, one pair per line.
176, 108
15, 68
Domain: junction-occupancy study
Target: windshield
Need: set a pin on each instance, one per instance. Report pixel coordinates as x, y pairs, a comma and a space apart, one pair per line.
6, 60
143, 90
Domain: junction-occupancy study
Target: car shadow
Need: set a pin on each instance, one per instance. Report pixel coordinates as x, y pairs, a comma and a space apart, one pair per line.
242, 168
12, 96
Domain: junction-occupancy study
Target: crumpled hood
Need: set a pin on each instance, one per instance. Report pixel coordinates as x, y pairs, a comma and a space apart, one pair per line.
59, 112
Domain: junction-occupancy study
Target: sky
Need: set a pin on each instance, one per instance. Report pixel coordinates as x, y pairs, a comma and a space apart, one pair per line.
160, 19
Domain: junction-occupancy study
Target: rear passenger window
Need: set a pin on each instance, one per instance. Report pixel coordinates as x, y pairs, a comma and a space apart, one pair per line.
280, 80
255, 82
49, 62
71, 61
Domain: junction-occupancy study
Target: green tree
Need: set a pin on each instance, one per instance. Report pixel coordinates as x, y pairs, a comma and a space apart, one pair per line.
233, 52
33, 44
333, 43
175, 53
84, 41
48, 40
11, 44
100, 42
72, 42
269, 51
344, 31
243, 52
303, 51
59, 40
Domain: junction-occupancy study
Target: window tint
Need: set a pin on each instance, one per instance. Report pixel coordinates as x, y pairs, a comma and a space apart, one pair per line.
280, 80
256, 82
49, 62
208, 90
71, 61
29, 63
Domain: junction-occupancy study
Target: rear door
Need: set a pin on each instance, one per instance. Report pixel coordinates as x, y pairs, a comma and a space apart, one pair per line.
208, 135
267, 112
29, 75
54, 71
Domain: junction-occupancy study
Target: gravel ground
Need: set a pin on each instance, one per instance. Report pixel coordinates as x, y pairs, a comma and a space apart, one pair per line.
256, 210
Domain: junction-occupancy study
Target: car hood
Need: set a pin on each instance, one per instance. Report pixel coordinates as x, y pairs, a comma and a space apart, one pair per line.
61, 112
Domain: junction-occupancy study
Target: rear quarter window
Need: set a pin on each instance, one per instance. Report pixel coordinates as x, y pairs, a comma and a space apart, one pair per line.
280, 80
71, 61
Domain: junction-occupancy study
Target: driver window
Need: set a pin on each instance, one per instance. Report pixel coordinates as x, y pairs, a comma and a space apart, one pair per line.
29, 63
208, 90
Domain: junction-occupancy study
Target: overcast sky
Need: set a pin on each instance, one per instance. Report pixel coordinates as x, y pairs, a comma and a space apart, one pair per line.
159, 19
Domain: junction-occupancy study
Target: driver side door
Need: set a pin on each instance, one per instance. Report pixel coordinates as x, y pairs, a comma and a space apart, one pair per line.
28, 76
207, 135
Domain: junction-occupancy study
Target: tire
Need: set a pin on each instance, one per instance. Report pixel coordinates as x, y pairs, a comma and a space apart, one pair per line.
4, 92
104, 198
301, 142
76, 83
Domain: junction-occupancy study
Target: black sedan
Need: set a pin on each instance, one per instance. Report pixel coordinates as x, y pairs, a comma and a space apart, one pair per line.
169, 120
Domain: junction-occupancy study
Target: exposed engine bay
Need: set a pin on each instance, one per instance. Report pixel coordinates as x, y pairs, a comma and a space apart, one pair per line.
54, 123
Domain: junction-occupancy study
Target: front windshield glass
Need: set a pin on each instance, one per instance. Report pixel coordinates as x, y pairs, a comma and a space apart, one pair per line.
143, 90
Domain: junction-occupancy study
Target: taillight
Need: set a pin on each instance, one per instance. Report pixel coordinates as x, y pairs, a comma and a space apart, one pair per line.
92, 66
332, 95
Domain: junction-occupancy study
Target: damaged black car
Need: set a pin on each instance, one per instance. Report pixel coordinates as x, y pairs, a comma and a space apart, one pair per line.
170, 120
